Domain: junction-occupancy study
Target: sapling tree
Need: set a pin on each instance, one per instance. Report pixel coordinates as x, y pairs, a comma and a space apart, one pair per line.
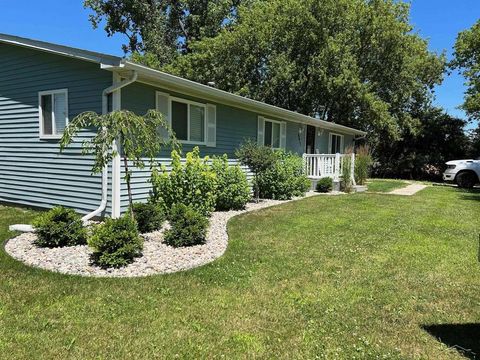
258, 158
138, 137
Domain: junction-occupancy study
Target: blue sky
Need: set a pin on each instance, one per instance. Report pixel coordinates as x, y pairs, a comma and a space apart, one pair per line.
437, 20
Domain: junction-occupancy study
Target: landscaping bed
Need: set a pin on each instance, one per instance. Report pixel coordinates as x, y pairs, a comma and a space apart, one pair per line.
157, 257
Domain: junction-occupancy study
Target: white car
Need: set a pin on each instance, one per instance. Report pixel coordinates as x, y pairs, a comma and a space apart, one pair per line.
465, 173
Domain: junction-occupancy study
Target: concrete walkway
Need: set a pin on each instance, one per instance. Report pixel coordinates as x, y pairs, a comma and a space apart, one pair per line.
408, 190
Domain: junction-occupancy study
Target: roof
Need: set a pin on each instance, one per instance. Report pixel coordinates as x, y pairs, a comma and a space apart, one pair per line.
176, 83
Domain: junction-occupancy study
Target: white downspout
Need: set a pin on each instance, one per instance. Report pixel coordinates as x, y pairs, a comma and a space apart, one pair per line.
106, 92
103, 203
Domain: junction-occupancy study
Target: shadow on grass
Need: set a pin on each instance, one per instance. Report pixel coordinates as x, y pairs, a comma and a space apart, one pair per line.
469, 194
465, 338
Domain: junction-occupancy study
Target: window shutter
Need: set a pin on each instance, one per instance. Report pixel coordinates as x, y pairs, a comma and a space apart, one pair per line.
60, 112
163, 106
260, 131
283, 135
211, 125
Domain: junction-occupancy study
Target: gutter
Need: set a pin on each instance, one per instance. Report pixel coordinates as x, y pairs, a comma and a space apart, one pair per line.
103, 203
185, 86
106, 92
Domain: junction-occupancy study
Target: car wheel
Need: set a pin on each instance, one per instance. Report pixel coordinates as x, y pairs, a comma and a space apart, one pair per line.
466, 180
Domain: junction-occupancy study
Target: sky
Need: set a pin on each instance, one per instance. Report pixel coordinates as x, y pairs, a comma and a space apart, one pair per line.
437, 20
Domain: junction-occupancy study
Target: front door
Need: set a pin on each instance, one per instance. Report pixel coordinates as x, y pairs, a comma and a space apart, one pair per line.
310, 140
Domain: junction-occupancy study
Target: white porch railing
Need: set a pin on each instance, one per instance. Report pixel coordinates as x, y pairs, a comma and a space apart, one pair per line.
318, 166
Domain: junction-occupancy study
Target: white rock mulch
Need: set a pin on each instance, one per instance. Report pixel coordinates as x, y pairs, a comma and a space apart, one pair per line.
157, 258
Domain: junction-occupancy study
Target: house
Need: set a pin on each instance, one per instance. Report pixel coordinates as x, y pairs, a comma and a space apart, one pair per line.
43, 85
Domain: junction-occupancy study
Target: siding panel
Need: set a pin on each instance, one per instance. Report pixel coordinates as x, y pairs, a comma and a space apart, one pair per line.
32, 171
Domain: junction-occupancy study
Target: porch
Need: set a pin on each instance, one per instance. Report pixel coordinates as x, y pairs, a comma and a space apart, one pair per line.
319, 166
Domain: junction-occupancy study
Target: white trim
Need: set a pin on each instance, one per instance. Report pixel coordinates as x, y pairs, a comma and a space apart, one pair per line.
61, 50
175, 83
279, 133
166, 81
194, 103
116, 161
52, 93
342, 150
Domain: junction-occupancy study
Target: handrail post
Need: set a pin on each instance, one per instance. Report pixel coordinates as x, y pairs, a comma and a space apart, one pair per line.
305, 164
337, 167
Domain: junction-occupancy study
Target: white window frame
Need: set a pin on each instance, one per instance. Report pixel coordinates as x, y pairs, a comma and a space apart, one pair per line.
271, 140
330, 142
205, 122
54, 134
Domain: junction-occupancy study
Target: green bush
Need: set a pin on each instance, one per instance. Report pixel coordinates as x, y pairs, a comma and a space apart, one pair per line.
233, 191
192, 183
59, 227
325, 185
116, 242
284, 179
258, 158
188, 226
363, 163
150, 217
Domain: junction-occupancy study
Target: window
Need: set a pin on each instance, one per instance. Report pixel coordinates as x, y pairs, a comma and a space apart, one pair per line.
53, 112
272, 134
336, 143
188, 121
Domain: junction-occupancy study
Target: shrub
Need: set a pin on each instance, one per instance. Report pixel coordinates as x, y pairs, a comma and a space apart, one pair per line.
59, 227
233, 191
188, 226
258, 158
284, 179
325, 185
149, 216
347, 170
363, 162
192, 183
116, 242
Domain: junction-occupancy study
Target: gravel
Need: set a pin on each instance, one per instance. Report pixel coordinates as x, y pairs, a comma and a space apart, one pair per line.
157, 258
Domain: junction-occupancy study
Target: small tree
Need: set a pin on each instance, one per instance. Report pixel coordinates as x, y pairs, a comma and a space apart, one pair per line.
363, 162
137, 136
347, 170
257, 158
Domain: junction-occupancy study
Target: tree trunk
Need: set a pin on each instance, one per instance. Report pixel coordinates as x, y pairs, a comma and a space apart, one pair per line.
129, 189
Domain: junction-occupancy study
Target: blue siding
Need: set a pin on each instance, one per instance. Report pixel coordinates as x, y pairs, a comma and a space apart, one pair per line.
32, 172
234, 125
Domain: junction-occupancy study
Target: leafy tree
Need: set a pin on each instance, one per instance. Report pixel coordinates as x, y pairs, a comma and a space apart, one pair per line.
474, 143
137, 136
161, 28
467, 59
422, 154
358, 59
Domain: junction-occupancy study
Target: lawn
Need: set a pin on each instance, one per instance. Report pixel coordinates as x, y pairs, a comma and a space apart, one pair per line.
385, 185
336, 277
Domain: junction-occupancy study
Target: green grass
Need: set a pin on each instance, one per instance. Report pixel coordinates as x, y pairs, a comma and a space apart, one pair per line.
337, 277
385, 185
